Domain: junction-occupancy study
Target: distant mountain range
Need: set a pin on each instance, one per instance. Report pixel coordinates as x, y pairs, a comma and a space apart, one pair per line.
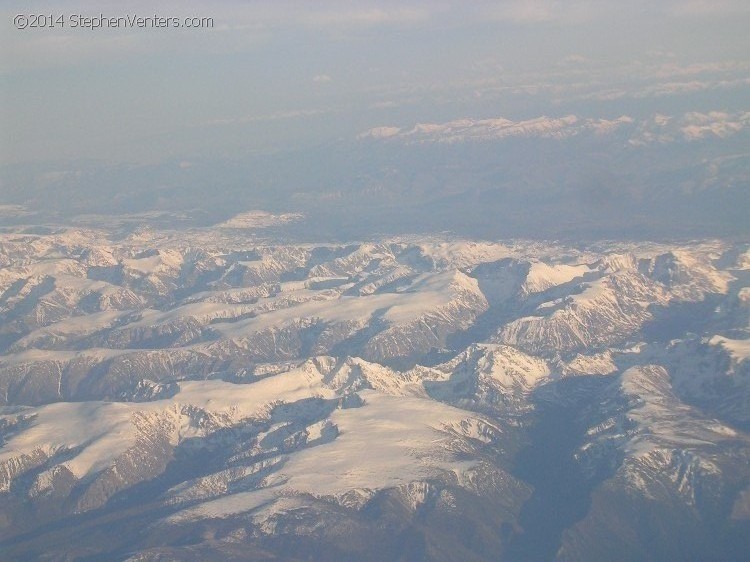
620, 173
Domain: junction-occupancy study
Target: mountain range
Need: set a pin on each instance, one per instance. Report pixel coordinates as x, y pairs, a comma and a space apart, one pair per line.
213, 394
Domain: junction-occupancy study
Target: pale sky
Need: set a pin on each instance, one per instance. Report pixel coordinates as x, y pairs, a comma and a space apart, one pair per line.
270, 75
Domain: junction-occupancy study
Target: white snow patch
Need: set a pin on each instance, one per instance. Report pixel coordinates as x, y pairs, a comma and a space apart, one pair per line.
543, 276
738, 349
390, 441
260, 219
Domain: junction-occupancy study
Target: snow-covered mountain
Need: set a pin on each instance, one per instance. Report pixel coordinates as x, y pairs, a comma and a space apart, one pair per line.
206, 394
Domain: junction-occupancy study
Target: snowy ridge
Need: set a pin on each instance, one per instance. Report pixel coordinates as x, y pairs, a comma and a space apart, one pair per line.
605, 312
690, 127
